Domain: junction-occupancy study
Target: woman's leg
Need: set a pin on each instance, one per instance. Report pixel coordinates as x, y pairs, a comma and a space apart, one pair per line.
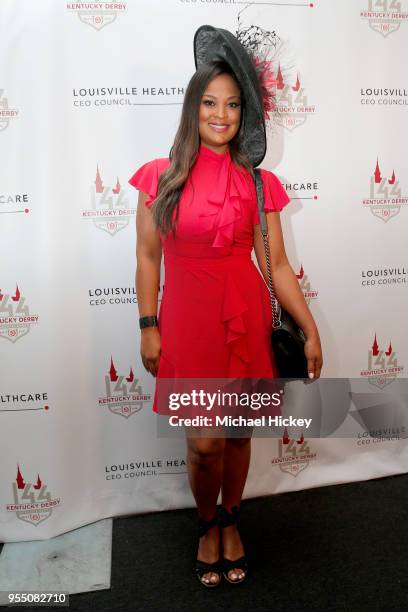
205, 466
237, 455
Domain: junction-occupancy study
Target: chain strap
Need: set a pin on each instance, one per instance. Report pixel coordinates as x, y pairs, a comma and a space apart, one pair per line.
276, 308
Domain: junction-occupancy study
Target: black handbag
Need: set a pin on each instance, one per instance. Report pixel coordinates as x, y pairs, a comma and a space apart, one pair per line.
288, 340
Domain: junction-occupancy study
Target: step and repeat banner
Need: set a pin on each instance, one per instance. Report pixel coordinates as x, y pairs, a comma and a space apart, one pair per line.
89, 91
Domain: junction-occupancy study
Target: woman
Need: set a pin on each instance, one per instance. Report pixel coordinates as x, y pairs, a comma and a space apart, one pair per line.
199, 207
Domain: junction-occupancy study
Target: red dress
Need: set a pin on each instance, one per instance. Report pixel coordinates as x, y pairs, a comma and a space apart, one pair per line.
215, 317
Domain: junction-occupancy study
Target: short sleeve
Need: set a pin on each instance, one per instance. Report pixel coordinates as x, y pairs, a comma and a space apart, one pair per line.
146, 179
275, 196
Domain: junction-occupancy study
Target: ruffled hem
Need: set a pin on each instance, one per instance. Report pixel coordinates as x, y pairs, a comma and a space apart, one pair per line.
146, 179
275, 197
233, 311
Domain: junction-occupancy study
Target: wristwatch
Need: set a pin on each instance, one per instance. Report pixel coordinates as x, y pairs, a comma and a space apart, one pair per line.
148, 322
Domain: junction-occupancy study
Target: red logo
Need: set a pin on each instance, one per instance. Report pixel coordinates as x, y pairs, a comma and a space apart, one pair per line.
382, 366
33, 503
293, 455
6, 113
97, 14
124, 394
15, 318
385, 199
110, 210
384, 16
304, 283
292, 103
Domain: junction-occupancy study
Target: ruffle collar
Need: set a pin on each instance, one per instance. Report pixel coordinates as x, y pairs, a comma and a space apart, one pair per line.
231, 188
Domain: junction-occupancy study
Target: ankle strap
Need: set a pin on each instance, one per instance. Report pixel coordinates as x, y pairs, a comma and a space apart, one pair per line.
204, 526
229, 518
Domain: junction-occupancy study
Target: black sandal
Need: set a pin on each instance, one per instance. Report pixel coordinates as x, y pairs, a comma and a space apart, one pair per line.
201, 567
227, 519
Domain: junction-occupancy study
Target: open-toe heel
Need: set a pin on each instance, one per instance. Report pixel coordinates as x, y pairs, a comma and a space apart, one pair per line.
227, 519
201, 567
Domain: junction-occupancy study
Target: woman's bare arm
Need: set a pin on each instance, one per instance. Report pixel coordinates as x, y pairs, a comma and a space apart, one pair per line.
287, 289
148, 257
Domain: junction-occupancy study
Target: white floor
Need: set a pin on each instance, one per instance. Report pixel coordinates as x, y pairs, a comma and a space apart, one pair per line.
76, 562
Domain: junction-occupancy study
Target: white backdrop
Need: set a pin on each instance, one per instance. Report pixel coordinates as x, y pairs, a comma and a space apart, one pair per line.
88, 92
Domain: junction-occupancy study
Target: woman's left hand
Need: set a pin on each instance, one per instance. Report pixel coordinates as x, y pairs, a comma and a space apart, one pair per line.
313, 352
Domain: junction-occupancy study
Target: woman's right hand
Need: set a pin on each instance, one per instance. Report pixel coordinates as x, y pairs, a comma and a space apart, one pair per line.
150, 349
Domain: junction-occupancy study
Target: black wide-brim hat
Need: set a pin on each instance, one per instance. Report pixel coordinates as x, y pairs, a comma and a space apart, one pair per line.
215, 44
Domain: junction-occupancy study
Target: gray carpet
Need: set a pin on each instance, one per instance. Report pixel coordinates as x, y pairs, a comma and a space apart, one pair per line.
333, 548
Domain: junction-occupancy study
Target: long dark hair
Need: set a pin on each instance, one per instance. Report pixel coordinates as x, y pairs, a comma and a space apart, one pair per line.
184, 151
